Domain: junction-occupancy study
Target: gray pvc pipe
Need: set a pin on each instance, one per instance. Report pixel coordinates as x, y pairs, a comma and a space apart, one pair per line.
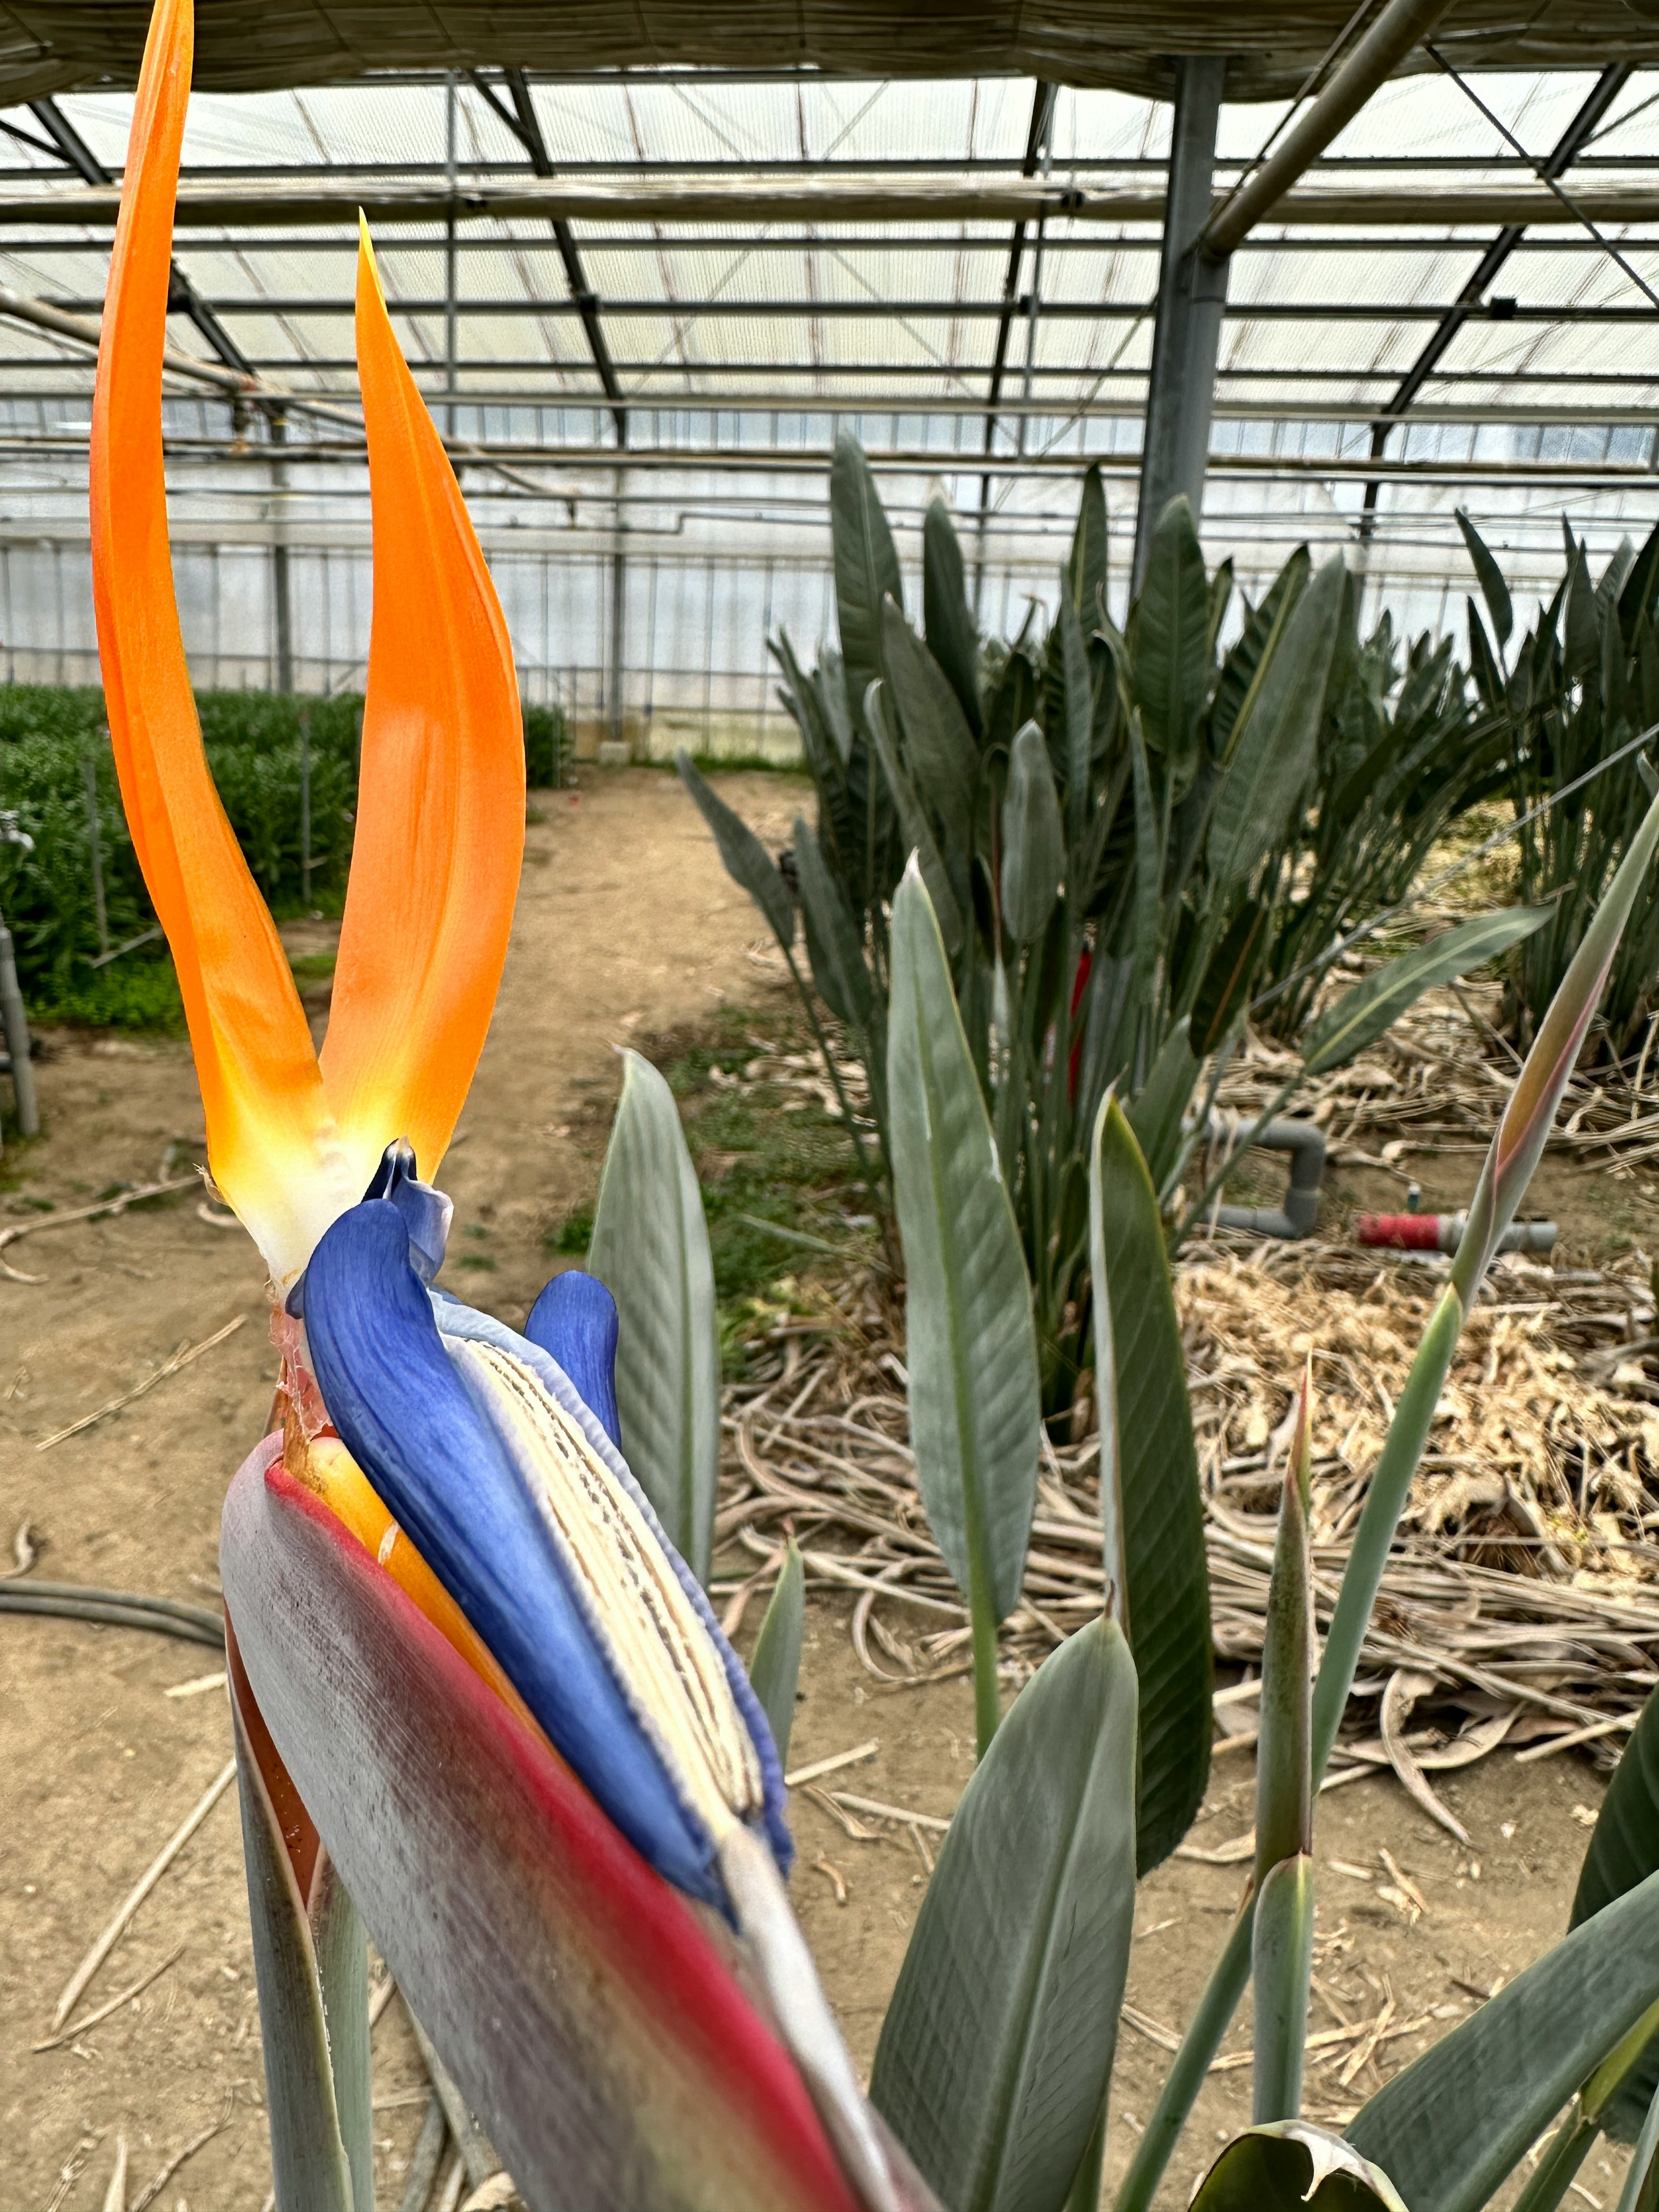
1304, 1141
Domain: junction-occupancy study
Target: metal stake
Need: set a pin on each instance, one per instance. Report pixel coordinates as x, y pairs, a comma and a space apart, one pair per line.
95, 831
305, 806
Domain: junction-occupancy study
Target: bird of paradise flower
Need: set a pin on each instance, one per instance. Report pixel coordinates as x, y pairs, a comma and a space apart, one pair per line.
474, 1688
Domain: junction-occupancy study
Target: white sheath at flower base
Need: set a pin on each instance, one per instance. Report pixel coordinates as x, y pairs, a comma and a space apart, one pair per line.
663, 1655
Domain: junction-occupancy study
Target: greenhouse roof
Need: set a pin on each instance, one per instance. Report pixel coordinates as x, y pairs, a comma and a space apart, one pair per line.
731, 265
1121, 44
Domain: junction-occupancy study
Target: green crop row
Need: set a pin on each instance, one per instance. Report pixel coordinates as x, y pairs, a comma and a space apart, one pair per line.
286, 768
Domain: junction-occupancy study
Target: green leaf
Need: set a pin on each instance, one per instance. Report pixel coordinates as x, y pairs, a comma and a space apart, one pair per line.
1159, 1503
746, 861
1639, 2193
1281, 1959
1079, 716
865, 562
1525, 1128
833, 943
309, 2164
1494, 589
997, 2049
650, 1249
1362, 1014
971, 1344
1087, 569
1284, 1768
1623, 1851
939, 750
1286, 2167
1457, 2120
948, 620
1155, 1116
776, 1667
1172, 668
1226, 985
1582, 636
1488, 677
1241, 671
1033, 840
913, 820
1274, 740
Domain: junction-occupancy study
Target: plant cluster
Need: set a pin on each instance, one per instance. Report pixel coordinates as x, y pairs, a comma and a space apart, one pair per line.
1581, 684
1129, 836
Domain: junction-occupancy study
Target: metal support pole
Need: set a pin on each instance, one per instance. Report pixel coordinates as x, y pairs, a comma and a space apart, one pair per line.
281, 609
1192, 293
305, 808
618, 620
451, 271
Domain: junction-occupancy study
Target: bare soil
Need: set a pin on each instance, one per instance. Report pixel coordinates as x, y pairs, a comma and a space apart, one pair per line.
626, 929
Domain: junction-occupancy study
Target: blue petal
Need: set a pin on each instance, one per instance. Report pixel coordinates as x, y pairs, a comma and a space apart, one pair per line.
574, 1320
407, 1419
464, 1322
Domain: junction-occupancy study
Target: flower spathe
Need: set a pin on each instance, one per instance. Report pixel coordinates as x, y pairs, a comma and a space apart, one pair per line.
486, 1456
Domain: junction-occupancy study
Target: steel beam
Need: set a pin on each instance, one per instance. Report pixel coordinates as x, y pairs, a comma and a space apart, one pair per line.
183, 298
293, 202
1036, 146
1402, 25
1470, 300
1192, 292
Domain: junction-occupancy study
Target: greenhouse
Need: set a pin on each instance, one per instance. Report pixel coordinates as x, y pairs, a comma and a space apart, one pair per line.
829, 1107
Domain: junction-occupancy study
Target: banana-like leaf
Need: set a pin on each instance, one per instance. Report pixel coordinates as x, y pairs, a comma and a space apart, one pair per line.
747, 861
1220, 996
1494, 590
650, 1249
1281, 1959
939, 746
587, 2016
971, 1343
1287, 2167
947, 619
997, 2049
1167, 1588
1172, 638
832, 935
1033, 840
1623, 1851
1085, 571
913, 820
1155, 1116
866, 565
1274, 739
776, 1667
1455, 2122
1362, 1014
310, 2167
1078, 718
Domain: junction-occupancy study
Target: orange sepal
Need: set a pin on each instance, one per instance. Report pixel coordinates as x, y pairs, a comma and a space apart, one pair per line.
329, 1472
440, 804
270, 1141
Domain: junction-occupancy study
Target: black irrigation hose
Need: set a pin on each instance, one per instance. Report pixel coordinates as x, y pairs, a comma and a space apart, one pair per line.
164, 1616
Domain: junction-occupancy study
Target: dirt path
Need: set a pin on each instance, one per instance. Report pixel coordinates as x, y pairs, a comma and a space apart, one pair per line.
625, 927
